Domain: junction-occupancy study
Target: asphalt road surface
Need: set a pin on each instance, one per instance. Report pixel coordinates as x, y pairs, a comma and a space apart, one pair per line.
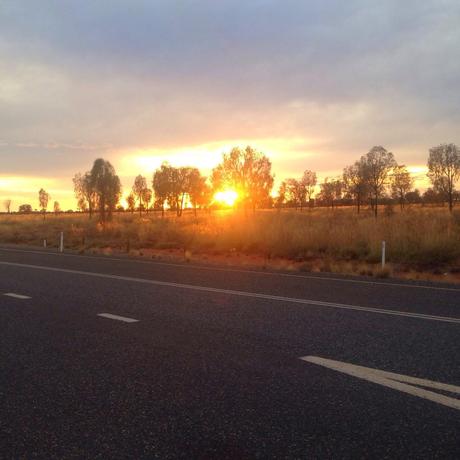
115, 358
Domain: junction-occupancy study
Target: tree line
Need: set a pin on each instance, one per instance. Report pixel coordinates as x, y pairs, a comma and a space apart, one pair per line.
375, 178
246, 171
43, 200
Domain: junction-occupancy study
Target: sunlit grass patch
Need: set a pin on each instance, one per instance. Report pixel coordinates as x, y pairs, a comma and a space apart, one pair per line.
419, 238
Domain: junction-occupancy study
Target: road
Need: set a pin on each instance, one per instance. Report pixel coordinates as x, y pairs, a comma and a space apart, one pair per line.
115, 358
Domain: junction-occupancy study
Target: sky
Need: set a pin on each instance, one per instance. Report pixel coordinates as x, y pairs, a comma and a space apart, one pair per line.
314, 84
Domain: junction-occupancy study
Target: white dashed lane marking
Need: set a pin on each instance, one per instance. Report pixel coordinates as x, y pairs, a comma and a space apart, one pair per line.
17, 296
208, 289
118, 318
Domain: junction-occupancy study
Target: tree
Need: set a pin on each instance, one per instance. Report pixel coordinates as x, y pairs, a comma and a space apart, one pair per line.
261, 183
378, 163
309, 181
174, 185
147, 195
299, 191
282, 193
25, 208
114, 195
217, 180
180, 187
56, 207
161, 183
431, 196
248, 172
7, 204
414, 197
131, 200
355, 182
140, 185
107, 187
331, 191
78, 190
202, 196
43, 198
401, 184
444, 170
84, 192
198, 189
296, 192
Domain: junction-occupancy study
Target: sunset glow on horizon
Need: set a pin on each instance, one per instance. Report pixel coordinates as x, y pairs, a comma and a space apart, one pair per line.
305, 83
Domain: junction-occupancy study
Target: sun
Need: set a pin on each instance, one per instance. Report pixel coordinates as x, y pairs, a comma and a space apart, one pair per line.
227, 197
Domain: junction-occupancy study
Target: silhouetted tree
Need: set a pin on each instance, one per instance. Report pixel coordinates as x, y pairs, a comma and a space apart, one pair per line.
414, 197
296, 192
25, 208
78, 190
175, 185
309, 181
84, 192
43, 198
161, 183
378, 163
56, 207
431, 196
107, 186
198, 190
282, 194
139, 187
355, 182
147, 195
202, 196
7, 204
444, 170
181, 186
248, 172
131, 200
331, 191
401, 184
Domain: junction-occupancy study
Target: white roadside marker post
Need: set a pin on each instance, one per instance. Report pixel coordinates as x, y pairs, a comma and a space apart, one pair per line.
44, 244
384, 247
61, 245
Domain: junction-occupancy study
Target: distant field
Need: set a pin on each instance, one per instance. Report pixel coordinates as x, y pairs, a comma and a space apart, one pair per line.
418, 240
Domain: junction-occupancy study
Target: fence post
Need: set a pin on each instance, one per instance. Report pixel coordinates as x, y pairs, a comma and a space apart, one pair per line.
384, 247
61, 245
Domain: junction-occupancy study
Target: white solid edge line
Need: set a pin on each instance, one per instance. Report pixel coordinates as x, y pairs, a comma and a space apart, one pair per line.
237, 270
241, 293
118, 318
17, 296
381, 378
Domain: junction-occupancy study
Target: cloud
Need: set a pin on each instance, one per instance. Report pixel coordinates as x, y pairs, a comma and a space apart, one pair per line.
115, 79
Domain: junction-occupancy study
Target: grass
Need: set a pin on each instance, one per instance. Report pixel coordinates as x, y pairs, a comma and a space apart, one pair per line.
420, 239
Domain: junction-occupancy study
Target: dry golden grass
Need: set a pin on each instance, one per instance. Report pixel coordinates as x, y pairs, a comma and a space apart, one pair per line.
339, 240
